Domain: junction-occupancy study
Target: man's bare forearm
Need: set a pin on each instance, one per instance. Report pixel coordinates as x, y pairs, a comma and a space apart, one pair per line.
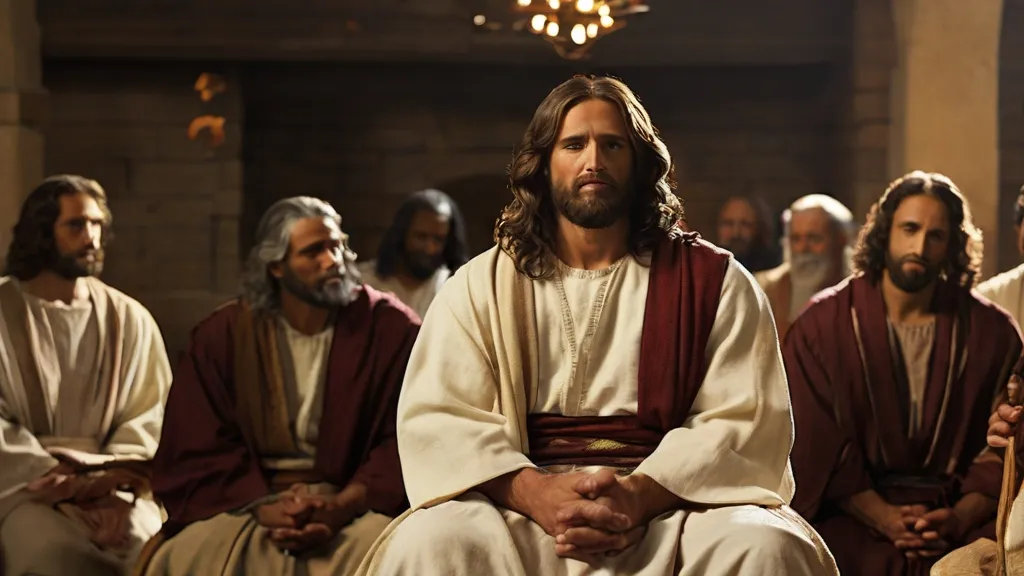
508, 490
869, 507
974, 509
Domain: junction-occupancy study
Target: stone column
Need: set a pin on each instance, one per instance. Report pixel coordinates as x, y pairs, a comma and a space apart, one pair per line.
21, 110
945, 101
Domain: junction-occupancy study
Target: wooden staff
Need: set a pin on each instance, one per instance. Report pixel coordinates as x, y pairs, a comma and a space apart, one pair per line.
1006, 493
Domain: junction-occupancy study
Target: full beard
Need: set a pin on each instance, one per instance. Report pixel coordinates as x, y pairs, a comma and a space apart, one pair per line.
421, 266
596, 211
335, 289
914, 281
74, 266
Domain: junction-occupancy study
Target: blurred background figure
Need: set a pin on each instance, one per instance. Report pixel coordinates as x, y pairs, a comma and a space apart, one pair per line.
818, 237
745, 228
424, 246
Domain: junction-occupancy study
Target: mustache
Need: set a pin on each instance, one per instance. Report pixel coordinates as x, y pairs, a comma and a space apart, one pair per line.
913, 260
582, 181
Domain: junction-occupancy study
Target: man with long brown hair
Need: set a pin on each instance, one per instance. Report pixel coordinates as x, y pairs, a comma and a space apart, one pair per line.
599, 391
83, 380
894, 373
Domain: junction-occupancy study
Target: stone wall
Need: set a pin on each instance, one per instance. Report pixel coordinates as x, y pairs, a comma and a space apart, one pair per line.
176, 203
364, 136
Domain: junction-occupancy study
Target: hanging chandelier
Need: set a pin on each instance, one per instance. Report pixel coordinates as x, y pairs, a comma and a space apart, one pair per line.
571, 26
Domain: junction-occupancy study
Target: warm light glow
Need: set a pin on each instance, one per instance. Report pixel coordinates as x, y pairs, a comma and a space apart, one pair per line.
604, 10
591, 30
607, 21
584, 5
479, 19
552, 28
578, 34
554, 4
537, 22
523, 2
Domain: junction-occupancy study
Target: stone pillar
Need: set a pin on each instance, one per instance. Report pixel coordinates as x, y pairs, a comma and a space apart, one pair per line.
21, 110
945, 101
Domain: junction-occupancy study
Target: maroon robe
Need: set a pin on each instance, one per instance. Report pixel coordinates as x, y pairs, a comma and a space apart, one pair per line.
685, 286
208, 461
851, 414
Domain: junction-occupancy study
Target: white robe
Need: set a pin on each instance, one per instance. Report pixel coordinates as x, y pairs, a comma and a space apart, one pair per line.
418, 298
462, 411
1006, 290
85, 423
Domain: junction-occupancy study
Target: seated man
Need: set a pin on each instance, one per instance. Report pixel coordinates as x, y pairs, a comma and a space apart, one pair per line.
893, 375
279, 453
83, 379
554, 420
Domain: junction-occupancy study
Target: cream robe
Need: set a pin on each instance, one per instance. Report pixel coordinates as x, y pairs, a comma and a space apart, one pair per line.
85, 422
234, 542
1006, 290
462, 411
418, 299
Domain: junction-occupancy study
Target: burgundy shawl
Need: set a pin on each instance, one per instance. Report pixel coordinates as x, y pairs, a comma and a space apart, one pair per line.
851, 421
685, 285
207, 462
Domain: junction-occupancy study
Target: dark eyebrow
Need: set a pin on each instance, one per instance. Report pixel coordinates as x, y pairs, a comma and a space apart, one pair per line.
573, 138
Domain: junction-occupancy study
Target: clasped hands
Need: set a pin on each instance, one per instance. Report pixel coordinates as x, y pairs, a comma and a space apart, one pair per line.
923, 533
300, 520
590, 515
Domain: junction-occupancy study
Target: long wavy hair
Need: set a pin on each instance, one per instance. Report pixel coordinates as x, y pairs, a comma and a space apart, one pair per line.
273, 238
963, 258
392, 246
526, 228
34, 248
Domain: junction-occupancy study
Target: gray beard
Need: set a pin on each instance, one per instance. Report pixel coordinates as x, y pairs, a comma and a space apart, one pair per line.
807, 276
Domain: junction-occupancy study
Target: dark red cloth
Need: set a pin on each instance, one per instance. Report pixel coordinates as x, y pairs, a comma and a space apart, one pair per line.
852, 419
683, 295
207, 464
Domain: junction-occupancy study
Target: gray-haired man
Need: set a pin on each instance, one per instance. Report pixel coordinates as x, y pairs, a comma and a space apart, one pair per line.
279, 453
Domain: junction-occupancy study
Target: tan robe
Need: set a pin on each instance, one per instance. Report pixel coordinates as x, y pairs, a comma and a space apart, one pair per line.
461, 423
418, 298
234, 542
1006, 290
94, 392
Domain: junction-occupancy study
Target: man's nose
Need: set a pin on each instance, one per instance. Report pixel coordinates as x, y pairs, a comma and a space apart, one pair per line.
593, 158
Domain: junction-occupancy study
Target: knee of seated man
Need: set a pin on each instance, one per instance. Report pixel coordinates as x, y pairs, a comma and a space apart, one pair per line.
761, 533
66, 558
453, 525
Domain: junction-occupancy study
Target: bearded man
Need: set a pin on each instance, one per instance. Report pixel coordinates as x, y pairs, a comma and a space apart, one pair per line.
745, 228
83, 379
600, 391
424, 246
818, 233
894, 374
279, 452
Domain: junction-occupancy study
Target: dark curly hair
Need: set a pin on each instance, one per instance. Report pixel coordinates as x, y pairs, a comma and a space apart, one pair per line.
33, 248
392, 246
525, 229
963, 259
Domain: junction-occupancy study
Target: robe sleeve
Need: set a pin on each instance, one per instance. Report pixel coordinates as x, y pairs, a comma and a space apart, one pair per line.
24, 458
451, 432
203, 466
985, 475
827, 463
381, 473
147, 380
734, 446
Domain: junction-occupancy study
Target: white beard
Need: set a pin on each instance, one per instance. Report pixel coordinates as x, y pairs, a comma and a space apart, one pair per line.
807, 275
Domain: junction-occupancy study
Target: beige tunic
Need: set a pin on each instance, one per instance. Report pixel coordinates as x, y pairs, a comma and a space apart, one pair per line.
418, 298
234, 542
85, 420
1006, 290
587, 326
